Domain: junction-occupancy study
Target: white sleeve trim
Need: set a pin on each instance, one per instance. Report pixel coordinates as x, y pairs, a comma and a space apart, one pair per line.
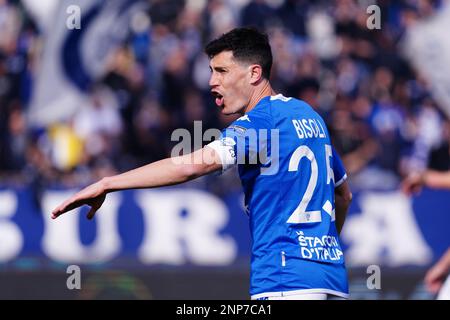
226, 154
337, 184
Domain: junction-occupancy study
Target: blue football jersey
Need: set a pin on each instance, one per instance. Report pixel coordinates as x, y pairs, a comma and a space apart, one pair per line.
289, 171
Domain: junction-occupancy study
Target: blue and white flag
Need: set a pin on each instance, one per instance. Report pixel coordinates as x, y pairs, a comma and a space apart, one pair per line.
75, 55
427, 46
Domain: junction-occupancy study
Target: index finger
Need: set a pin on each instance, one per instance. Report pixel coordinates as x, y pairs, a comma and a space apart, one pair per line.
64, 207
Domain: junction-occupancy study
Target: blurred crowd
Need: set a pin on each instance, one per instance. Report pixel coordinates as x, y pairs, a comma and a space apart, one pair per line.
381, 115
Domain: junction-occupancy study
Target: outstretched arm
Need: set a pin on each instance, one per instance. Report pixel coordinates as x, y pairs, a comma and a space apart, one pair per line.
436, 275
165, 172
342, 199
429, 178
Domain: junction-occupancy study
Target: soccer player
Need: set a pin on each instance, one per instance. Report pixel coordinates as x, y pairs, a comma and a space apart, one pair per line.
296, 193
437, 278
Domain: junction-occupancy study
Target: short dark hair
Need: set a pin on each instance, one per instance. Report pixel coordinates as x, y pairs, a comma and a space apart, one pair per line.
248, 45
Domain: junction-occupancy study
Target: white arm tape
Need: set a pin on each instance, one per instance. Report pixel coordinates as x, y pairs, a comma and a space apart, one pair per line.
225, 152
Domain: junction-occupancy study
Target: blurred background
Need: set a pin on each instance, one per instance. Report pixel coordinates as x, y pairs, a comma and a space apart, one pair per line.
93, 88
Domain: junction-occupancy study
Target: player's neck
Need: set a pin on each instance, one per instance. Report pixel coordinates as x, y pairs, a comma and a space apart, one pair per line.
260, 93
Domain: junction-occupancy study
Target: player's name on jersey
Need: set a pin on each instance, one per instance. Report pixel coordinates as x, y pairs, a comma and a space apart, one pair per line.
309, 128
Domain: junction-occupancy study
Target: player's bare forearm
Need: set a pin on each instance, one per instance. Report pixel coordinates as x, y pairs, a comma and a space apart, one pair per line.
445, 259
414, 182
342, 199
436, 179
341, 207
160, 173
436, 275
165, 172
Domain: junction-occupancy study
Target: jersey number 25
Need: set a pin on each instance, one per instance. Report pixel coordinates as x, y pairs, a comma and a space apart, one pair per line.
300, 215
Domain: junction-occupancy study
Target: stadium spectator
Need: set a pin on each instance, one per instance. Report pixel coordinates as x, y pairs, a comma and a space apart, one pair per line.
323, 52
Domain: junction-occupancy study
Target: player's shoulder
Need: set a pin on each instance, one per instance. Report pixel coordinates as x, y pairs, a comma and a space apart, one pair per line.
280, 98
258, 117
292, 108
282, 103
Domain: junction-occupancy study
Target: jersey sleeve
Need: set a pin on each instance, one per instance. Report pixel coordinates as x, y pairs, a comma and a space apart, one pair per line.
242, 141
338, 168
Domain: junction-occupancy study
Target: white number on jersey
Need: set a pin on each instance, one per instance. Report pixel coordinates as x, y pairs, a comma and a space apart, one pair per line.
300, 215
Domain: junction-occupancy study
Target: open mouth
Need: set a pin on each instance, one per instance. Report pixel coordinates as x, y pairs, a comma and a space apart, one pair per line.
219, 98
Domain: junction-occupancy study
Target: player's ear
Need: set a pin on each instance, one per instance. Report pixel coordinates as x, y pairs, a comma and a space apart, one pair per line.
255, 73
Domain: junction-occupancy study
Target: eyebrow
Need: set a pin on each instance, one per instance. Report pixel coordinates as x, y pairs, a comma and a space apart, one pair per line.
218, 69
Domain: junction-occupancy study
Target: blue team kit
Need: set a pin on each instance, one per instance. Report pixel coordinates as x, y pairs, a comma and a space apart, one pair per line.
289, 171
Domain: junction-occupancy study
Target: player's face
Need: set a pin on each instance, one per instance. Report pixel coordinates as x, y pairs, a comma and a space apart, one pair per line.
230, 83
